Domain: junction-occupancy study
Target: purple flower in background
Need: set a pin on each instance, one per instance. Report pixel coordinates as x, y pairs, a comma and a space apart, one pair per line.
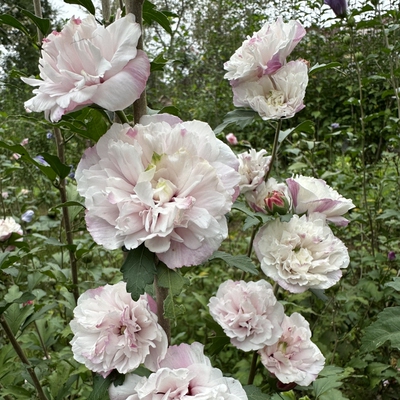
40, 159
391, 256
49, 135
335, 125
339, 7
72, 172
27, 216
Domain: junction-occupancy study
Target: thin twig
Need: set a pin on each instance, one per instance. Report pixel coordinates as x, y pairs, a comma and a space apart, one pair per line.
22, 357
65, 211
274, 149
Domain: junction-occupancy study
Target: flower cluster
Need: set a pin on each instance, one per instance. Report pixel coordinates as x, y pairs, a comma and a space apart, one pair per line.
111, 331
185, 373
165, 183
87, 63
261, 78
254, 320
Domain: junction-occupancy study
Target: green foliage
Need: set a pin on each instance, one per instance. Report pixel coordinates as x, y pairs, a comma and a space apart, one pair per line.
138, 270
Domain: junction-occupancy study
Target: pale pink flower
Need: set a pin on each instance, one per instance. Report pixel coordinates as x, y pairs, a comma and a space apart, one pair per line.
301, 254
265, 52
294, 358
253, 166
231, 138
25, 142
275, 96
184, 374
311, 195
258, 199
7, 227
248, 312
16, 156
165, 183
87, 63
4, 195
111, 331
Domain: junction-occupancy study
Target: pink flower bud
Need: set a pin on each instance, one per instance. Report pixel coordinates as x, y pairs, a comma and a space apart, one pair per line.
25, 142
276, 202
231, 138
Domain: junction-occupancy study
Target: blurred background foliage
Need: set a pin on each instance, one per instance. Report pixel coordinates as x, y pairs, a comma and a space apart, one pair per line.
354, 145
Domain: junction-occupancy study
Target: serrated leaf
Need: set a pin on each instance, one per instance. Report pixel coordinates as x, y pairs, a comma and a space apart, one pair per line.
43, 24
138, 270
242, 262
150, 14
322, 385
10, 20
320, 67
158, 63
386, 328
240, 117
170, 279
84, 3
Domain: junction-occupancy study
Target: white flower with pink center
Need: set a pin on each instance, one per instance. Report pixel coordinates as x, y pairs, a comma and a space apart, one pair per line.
248, 312
301, 254
87, 63
111, 331
265, 52
165, 183
294, 358
184, 374
311, 195
253, 166
275, 96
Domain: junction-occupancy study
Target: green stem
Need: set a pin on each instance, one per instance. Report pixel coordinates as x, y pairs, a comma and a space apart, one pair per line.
253, 368
121, 115
66, 218
274, 149
23, 358
136, 8
161, 294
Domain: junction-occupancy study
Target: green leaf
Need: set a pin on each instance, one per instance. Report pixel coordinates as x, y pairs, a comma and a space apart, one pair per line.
170, 279
84, 3
9, 20
38, 314
65, 389
389, 213
242, 262
395, 284
174, 282
68, 204
90, 122
100, 388
255, 393
150, 14
240, 117
387, 327
158, 63
320, 67
322, 385
17, 148
138, 270
43, 24
333, 394
58, 167
15, 316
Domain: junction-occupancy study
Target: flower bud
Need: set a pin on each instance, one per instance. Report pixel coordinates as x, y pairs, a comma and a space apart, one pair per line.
276, 202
